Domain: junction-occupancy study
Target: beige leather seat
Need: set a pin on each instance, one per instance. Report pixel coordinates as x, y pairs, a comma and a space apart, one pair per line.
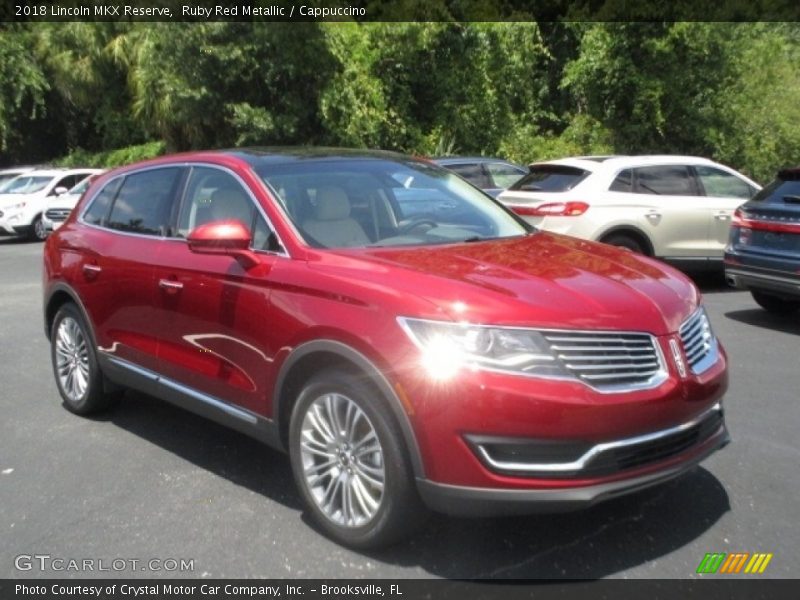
331, 224
227, 204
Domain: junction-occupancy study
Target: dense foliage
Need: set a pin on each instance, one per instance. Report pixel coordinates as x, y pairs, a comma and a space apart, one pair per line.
523, 90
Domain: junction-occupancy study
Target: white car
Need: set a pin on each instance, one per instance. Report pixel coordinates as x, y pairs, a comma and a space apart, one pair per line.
7, 175
23, 199
58, 208
678, 208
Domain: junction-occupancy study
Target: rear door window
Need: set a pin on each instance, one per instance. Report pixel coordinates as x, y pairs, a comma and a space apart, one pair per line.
721, 184
665, 180
550, 178
144, 201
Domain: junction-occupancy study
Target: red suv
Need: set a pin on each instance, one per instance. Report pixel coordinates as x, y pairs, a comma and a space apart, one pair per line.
460, 361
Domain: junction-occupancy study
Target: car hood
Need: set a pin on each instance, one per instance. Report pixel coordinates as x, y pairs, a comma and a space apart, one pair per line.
11, 199
64, 201
542, 279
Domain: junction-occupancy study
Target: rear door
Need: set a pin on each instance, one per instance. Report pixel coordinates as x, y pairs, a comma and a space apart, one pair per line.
127, 221
723, 193
671, 211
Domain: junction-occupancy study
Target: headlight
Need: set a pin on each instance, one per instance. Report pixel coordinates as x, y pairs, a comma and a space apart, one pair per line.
447, 347
17, 206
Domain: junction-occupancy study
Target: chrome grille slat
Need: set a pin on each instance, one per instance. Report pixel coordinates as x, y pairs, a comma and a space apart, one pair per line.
697, 339
57, 214
614, 366
609, 360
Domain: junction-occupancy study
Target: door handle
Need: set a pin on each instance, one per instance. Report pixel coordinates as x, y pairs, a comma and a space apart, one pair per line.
92, 269
722, 216
652, 214
169, 285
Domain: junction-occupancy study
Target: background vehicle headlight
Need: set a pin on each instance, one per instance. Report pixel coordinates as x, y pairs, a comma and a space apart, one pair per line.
17, 206
447, 347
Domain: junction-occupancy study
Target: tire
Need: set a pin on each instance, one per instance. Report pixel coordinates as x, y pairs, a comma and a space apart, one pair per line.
622, 240
774, 304
77, 374
339, 476
38, 232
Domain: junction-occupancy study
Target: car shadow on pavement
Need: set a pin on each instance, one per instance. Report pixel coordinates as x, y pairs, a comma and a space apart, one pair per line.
758, 317
597, 542
709, 280
602, 540
212, 447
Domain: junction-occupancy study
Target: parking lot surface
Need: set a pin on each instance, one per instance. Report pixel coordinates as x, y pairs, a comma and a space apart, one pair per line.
149, 481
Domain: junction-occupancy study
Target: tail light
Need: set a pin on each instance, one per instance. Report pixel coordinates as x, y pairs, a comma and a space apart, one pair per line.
743, 220
551, 209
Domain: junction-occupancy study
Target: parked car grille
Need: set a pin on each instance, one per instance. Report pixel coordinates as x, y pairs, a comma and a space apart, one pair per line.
698, 339
562, 459
609, 360
57, 214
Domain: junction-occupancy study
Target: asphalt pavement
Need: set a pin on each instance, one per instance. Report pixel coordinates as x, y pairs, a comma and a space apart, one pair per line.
151, 482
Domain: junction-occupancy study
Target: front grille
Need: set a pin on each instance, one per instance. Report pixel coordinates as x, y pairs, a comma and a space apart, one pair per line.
573, 459
608, 360
697, 338
1, 213
57, 214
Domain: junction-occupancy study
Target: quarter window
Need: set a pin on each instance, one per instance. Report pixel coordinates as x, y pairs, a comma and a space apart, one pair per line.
98, 210
623, 182
144, 202
667, 180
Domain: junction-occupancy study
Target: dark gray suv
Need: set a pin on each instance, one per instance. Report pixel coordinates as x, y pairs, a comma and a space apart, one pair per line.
763, 255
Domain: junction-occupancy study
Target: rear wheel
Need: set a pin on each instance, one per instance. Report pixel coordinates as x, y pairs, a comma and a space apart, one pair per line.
622, 240
77, 373
349, 462
774, 304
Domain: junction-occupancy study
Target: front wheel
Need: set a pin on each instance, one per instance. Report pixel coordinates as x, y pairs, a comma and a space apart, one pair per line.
349, 463
38, 232
622, 240
774, 304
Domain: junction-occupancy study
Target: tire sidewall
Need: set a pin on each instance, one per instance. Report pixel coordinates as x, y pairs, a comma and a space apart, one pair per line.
380, 529
94, 387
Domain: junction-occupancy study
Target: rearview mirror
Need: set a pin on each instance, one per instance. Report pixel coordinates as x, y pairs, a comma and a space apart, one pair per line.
60, 190
229, 238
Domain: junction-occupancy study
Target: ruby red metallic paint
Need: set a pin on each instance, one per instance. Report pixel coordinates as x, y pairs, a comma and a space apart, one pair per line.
231, 328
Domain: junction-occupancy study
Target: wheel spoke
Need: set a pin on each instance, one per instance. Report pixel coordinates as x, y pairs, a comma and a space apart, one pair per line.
342, 460
373, 475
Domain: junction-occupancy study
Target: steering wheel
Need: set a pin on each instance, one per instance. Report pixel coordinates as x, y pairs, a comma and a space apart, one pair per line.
409, 227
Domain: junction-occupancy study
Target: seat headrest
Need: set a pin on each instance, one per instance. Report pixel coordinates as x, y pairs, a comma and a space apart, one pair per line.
332, 204
230, 204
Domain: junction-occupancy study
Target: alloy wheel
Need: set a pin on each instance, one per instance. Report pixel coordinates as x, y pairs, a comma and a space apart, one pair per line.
72, 359
342, 460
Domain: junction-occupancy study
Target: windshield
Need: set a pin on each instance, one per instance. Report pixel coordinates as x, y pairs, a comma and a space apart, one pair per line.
379, 202
26, 184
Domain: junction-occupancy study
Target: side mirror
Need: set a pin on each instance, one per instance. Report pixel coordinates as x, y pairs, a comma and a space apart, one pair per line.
60, 190
229, 238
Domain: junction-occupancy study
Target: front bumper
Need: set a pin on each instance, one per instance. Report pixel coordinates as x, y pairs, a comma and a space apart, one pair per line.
475, 501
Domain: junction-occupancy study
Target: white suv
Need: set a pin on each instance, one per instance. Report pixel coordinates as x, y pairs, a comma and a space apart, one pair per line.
678, 208
23, 199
